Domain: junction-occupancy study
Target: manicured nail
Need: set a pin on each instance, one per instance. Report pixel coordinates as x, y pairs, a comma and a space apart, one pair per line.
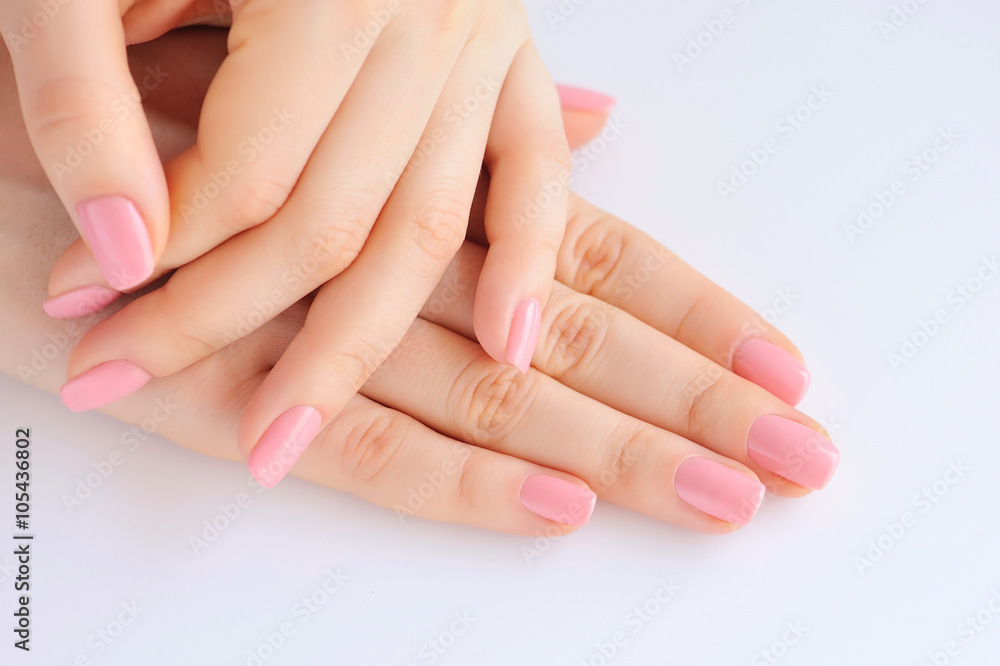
773, 369
524, 330
117, 235
557, 500
792, 450
719, 490
282, 444
584, 99
79, 302
103, 384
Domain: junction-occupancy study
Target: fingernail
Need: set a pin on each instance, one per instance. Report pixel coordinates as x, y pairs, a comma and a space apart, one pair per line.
792, 450
773, 369
719, 490
557, 500
117, 235
584, 99
284, 441
103, 384
79, 302
524, 330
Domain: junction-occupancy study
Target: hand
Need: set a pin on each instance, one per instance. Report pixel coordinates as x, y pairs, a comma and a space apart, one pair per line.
336, 140
637, 437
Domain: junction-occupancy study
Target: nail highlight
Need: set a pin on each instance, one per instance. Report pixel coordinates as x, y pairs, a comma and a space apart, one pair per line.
283, 443
792, 450
117, 235
773, 369
719, 490
103, 384
584, 99
524, 330
79, 302
558, 500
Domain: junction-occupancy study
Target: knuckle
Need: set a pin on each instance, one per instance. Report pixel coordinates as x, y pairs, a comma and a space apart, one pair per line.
439, 226
354, 359
703, 397
336, 231
601, 255
576, 335
494, 399
371, 448
628, 444
67, 108
256, 199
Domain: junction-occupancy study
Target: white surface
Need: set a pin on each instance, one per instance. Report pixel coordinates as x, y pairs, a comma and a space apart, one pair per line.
784, 230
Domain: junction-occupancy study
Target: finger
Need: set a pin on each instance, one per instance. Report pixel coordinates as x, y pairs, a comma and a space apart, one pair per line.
76, 268
616, 263
607, 354
529, 165
358, 318
84, 115
534, 417
241, 284
390, 459
584, 113
371, 451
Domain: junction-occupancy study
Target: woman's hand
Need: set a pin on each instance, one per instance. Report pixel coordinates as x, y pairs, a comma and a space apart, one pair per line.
338, 139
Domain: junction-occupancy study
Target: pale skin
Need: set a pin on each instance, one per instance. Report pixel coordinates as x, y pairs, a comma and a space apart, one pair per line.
344, 137
581, 414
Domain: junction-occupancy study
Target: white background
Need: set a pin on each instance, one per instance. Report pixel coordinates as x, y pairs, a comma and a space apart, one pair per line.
685, 128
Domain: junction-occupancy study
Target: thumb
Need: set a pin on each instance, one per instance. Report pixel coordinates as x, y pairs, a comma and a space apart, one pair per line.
84, 115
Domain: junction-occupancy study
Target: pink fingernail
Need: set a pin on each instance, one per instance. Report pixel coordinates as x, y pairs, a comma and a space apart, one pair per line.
584, 99
557, 500
117, 235
524, 330
284, 441
103, 384
79, 302
773, 369
719, 490
792, 450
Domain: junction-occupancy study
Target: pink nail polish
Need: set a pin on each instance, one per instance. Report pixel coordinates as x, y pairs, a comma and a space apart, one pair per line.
117, 235
719, 490
103, 384
524, 330
557, 500
283, 443
792, 450
79, 302
584, 99
772, 368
